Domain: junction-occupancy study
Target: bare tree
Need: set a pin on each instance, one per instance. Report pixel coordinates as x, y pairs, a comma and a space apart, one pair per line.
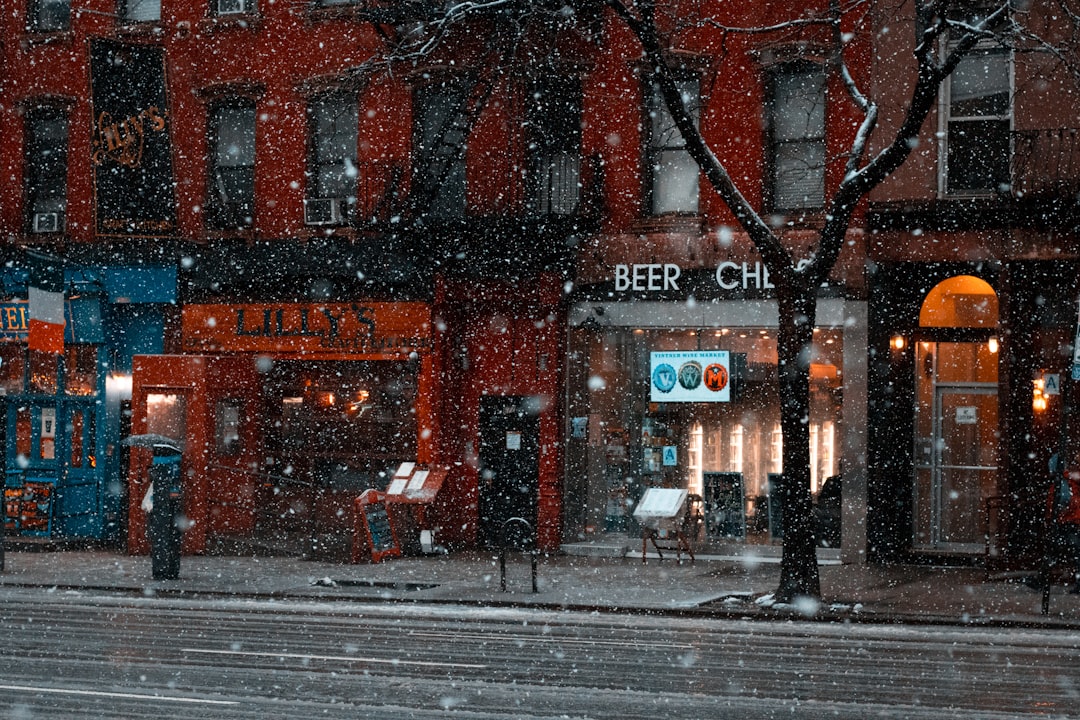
948, 31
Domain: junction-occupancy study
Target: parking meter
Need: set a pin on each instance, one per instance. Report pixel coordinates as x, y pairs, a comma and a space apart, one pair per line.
163, 526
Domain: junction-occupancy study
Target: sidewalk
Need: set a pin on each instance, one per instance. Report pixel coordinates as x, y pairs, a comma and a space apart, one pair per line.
713, 585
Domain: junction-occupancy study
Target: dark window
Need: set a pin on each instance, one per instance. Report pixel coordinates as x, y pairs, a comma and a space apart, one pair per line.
232, 7
332, 173
230, 201
796, 127
553, 129
46, 169
441, 126
141, 11
49, 15
977, 144
672, 175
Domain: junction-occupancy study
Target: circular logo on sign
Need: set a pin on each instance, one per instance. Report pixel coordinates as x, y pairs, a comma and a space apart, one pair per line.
690, 375
716, 377
663, 378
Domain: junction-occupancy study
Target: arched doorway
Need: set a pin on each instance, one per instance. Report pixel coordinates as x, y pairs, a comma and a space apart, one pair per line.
956, 415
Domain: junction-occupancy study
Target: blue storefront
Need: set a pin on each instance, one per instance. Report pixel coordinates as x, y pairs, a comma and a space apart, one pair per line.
65, 413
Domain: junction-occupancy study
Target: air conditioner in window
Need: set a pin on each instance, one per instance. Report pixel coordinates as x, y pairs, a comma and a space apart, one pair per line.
324, 211
233, 7
46, 222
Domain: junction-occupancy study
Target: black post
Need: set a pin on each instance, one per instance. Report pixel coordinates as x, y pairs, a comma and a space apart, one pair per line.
163, 524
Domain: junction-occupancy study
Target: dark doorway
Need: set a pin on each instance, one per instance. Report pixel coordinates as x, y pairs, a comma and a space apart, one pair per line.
509, 468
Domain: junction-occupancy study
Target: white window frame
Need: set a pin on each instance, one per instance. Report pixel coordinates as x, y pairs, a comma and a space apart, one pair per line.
781, 194
673, 186
946, 118
141, 11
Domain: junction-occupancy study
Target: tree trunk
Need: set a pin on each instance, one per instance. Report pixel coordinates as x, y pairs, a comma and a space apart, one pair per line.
798, 567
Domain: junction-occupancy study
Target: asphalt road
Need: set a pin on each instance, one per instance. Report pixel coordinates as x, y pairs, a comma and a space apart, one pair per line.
81, 656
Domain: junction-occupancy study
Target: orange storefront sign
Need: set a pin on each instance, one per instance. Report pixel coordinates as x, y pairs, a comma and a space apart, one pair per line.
392, 329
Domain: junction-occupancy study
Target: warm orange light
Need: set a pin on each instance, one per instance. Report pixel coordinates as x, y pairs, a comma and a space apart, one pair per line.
992, 344
1039, 399
898, 342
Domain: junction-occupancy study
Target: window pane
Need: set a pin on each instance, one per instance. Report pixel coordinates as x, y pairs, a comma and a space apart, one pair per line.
334, 120
231, 198
799, 106
554, 136
51, 15
980, 85
796, 114
800, 175
673, 173
46, 166
675, 183
978, 155
142, 10
440, 141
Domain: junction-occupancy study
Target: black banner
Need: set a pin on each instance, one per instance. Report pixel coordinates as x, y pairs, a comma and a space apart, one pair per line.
131, 150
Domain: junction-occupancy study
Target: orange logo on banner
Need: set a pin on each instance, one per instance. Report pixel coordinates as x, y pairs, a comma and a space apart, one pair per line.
716, 377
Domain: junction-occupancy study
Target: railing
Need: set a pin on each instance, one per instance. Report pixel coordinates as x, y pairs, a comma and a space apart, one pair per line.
1046, 161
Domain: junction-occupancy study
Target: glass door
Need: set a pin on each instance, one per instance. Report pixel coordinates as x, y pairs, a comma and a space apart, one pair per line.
956, 444
966, 472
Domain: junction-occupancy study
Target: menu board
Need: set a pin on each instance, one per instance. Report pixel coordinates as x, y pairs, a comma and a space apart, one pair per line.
375, 538
28, 509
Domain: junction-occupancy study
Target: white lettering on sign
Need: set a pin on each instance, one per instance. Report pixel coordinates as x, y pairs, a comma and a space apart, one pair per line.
730, 276
650, 277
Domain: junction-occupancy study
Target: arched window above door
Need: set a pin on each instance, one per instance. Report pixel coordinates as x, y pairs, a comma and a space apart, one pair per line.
963, 301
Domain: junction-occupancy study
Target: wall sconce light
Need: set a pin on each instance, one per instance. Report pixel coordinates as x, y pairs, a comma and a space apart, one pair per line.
1039, 399
897, 342
992, 344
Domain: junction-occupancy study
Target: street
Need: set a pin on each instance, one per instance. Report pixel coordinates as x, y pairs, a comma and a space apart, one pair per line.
81, 655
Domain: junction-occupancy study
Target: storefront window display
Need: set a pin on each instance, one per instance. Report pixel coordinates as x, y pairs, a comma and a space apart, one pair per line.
725, 446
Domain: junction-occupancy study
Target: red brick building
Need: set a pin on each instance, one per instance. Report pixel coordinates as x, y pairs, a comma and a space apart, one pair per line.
316, 263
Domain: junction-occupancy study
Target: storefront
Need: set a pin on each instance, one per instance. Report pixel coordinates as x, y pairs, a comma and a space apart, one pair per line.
967, 396
288, 412
682, 392
64, 412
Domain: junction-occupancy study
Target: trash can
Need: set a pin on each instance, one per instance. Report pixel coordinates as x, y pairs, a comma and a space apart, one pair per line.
163, 525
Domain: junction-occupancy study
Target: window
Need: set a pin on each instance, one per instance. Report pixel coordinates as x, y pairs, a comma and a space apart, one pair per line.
230, 201
332, 175
141, 11
672, 175
46, 169
979, 120
233, 7
796, 125
553, 126
439, 137
49, 15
